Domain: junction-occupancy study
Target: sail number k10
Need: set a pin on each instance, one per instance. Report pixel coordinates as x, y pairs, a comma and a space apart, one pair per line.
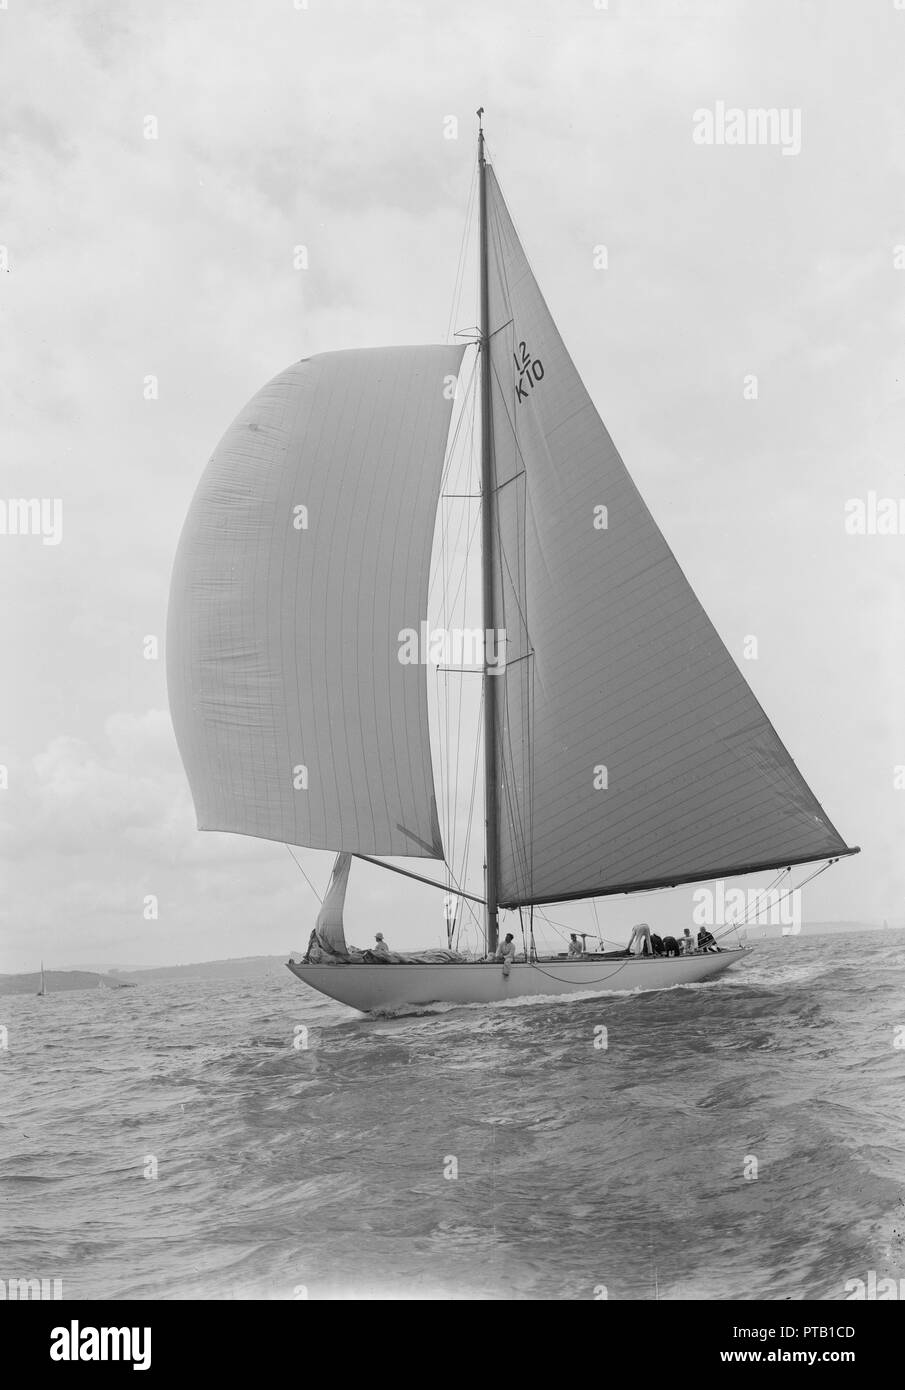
528, 372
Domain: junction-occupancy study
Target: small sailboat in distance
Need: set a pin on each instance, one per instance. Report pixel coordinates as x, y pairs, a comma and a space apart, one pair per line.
43, 990
623, 751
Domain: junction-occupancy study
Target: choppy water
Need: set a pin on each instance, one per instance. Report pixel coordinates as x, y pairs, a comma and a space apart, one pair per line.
282, 1168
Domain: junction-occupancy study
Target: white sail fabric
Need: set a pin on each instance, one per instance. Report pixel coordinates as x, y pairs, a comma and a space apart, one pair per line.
329, 925
631, 752
304, 555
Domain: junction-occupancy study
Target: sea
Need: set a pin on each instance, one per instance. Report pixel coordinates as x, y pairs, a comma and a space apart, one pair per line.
211, 1139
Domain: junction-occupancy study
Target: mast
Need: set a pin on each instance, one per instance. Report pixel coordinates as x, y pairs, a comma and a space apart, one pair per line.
488, 517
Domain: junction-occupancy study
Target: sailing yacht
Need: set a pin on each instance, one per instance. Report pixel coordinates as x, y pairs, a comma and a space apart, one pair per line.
43, 990
623, 751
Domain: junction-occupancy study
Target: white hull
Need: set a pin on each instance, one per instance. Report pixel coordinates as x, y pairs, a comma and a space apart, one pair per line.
377, 987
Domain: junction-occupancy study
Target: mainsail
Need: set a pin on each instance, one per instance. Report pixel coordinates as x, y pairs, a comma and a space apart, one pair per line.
304, 555
631, 752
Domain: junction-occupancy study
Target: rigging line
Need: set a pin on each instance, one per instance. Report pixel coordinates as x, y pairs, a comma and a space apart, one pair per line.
500, 262
461, 892
740, 921
774, 882
523, 841
449, 774
522, 835
515, 821
469, 824
733, 926
456, 553
816, 874
445, 777
468, 549
460, 264
451, 548
470, 480
522, 615
460, 418
515, 227
464, 414
305, 876
551, 921
465, 518
466, 900
444, 795
458, 283
584, 983
516, 825
530, 695
521, 922
520, 838
468, 546
513, 478
526, 846
449, 606
461, 693
532, 677
477, 920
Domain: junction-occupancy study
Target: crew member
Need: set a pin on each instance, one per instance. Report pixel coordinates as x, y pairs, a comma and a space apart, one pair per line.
505, 952
381, 950
639, 945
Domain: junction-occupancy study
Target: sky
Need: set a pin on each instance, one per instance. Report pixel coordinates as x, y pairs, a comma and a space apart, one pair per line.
160, 166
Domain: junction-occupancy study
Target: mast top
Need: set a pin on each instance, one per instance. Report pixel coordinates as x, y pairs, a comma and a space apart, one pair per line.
479, 113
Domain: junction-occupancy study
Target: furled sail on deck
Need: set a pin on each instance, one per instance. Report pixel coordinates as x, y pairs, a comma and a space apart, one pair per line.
631, 751
305, 553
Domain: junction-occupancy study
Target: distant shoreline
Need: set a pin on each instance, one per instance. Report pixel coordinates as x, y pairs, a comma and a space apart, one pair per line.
62, 981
